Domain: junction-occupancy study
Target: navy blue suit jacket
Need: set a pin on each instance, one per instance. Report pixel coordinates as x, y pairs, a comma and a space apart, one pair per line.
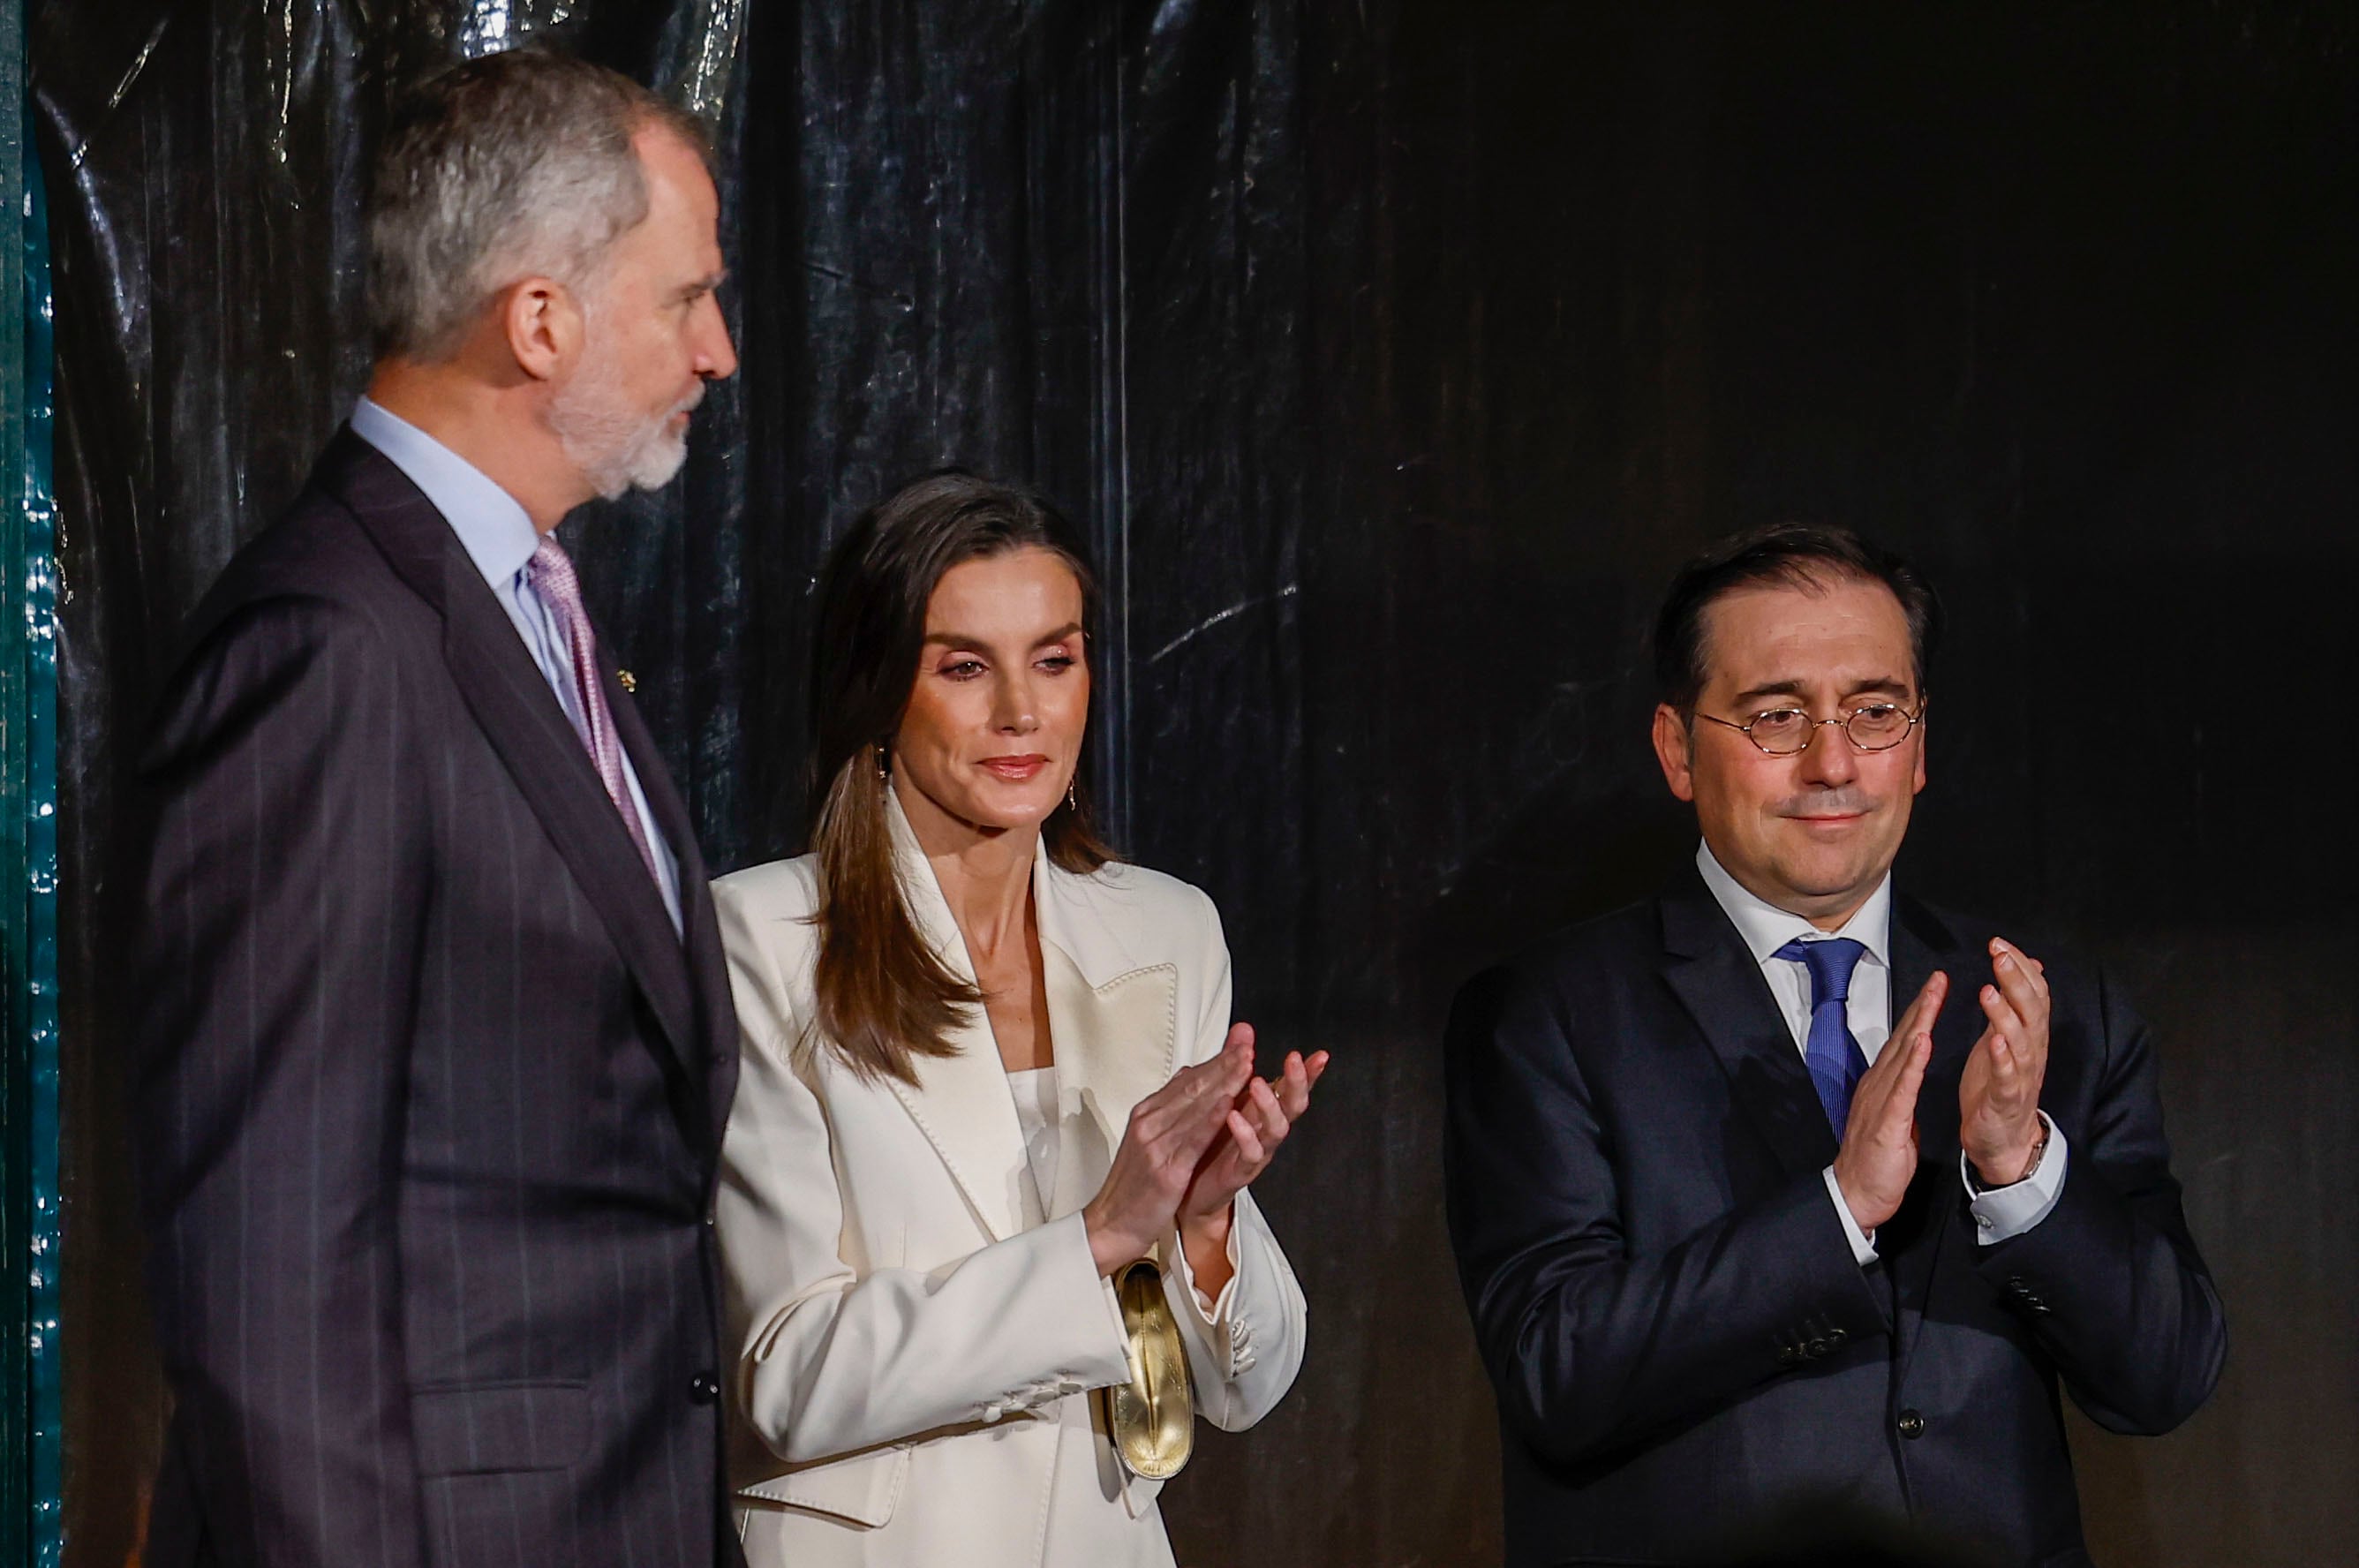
429, 1092
1680, 1337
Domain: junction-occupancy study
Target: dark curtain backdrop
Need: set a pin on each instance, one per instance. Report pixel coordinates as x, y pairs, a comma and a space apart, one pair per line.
1394, 353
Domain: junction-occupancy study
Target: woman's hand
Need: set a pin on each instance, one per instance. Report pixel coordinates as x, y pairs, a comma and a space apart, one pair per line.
1257, 1122
1162, 1148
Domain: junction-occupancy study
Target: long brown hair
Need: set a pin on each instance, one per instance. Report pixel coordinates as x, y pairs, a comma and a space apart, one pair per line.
885, 997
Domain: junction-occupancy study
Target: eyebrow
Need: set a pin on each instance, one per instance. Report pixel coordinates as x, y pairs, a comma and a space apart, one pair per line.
707, 284
1882, 683
961, 640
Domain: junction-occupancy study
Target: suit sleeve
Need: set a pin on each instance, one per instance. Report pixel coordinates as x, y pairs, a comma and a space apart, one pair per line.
1590, 1345
1244, 1354
831, 1360
277, 878
2111, 1281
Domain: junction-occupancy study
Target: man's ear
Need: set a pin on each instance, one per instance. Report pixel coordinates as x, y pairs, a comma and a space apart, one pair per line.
543, 326
1674, 749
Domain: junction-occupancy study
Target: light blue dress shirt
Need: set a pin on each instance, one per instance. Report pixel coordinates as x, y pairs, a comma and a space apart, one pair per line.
499, 538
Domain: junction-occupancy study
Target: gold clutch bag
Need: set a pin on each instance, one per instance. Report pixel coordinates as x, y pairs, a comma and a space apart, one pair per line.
1152, 1418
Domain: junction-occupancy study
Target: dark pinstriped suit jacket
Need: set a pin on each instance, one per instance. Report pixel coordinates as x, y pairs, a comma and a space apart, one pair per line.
428, 1091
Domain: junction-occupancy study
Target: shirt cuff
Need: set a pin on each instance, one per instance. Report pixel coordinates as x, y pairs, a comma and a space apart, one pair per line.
1216, 1313
1862, 1247
2004, 1213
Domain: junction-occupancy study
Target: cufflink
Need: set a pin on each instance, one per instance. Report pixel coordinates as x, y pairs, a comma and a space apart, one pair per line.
628, 681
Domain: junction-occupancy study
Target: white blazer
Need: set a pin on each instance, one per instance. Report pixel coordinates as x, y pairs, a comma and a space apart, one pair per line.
913, 1362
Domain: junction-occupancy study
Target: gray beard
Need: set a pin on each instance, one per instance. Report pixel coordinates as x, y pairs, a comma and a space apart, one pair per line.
614, 444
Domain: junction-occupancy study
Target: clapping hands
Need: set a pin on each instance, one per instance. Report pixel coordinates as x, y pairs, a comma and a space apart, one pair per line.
1998, 1092
1188, 1149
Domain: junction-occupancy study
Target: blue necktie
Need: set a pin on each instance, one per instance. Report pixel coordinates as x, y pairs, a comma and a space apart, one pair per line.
1833, 1055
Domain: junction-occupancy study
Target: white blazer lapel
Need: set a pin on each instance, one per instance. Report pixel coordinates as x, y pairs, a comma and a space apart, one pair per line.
1116, 1031
1115, 1022
961, 1102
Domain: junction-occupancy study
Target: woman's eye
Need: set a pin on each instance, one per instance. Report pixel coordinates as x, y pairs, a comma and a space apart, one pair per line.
1058, 663
963, 669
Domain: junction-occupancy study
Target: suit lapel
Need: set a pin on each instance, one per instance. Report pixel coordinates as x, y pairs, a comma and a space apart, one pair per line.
708, 970
519, 716
961, 1102
1912, 1241
1116, 1043
1716, 980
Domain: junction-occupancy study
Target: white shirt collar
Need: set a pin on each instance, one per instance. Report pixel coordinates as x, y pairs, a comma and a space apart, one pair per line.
1765, 927
492, 524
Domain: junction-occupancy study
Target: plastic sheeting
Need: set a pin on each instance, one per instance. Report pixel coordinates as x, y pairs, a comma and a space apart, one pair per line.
1393, 352
31, 1366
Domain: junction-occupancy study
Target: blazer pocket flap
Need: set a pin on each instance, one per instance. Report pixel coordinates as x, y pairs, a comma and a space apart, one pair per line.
476, 1428
864, 1489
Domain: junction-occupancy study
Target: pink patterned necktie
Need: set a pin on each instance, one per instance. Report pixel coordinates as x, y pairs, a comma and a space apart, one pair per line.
551, 576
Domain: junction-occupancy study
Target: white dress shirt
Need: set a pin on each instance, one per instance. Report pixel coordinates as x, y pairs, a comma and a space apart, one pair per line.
1763, 927
499, 538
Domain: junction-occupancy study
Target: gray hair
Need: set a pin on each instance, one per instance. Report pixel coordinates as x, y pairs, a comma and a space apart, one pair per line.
499, 168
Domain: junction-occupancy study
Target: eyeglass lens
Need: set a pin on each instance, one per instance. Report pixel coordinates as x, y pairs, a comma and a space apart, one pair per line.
1784, 730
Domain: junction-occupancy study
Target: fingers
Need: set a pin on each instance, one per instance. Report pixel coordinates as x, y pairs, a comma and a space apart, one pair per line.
2006, 1023
1268, 1114
1293, 1086
2024, 983
1252, 1152
1924, 1008
1912, 1070
2010, 962
1879, 1150
1185, 1115
1896, 1114
2025, 990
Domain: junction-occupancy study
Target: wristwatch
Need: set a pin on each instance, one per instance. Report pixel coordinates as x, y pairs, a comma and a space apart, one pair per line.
2038, 1153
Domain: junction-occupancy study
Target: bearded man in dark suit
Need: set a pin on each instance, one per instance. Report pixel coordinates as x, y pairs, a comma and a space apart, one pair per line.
1785, 1186
434, 1040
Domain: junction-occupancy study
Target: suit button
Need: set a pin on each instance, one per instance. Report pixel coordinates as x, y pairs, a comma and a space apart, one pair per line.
1836, 1336
704, 1388
1816, 1349
1911, 1425
1787, 1355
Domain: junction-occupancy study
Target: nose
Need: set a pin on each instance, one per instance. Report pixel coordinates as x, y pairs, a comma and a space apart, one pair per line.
1830, 759
1012, 710
716, 358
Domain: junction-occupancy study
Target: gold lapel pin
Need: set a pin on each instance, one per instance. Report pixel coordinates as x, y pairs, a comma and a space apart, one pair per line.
630, 682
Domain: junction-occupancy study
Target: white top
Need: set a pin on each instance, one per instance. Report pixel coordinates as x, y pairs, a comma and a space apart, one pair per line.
1763, 927
1035, 1089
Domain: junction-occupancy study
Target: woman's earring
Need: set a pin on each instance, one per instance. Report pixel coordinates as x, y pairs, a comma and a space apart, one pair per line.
884, 767
1071, 804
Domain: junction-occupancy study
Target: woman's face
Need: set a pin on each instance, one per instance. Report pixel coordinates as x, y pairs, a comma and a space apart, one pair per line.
994, 727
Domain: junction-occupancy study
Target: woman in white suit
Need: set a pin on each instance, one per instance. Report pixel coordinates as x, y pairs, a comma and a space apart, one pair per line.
986, 1068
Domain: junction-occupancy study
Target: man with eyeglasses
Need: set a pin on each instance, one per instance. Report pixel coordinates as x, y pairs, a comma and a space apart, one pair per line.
1783, 1191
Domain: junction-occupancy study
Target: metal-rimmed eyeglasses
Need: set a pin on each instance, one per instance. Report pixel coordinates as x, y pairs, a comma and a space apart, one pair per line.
1787, 732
